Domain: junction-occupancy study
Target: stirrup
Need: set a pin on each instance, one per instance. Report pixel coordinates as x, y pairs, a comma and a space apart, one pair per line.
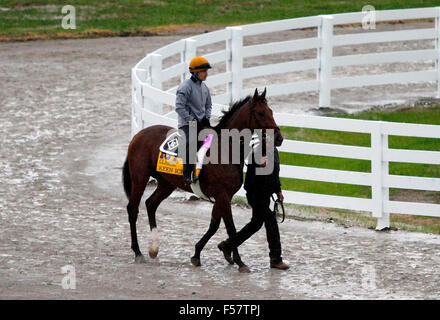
194, 178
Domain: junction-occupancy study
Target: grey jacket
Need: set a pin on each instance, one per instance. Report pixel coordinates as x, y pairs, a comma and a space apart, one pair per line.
193, 101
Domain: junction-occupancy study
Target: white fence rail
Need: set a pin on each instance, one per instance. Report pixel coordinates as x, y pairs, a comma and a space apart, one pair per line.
148, 98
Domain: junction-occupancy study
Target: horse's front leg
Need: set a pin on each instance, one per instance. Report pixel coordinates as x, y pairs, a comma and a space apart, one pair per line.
230, 229
213, 227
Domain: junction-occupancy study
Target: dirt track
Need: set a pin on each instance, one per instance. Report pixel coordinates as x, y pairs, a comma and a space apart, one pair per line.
64, 130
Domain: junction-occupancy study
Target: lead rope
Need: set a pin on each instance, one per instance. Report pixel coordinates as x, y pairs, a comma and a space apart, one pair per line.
278, 203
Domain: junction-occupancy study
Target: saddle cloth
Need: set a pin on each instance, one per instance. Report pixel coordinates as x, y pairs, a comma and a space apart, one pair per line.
168, 163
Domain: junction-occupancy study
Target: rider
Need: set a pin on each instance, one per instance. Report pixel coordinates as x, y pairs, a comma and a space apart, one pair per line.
193, 106
259, 189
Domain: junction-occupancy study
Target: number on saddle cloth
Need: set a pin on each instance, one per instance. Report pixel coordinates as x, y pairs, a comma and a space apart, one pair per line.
171, 144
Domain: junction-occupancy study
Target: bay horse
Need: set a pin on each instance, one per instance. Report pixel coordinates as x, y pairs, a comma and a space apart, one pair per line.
218, 181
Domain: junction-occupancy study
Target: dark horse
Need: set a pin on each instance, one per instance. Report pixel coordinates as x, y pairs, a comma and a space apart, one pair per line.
218, 181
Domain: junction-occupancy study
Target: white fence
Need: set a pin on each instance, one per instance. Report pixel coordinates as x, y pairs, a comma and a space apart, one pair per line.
148, 98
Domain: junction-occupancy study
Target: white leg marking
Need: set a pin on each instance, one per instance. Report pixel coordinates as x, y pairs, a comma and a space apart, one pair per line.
154, 240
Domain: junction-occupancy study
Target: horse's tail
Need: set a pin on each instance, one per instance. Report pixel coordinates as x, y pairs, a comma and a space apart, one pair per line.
126, 179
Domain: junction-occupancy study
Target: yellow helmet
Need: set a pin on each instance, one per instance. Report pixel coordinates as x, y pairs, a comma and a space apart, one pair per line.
199, 64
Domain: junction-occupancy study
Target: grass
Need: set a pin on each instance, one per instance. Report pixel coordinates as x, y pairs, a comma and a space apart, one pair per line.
21, 20
417, 114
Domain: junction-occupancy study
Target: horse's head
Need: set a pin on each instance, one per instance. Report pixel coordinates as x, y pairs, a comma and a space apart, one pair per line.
261, 116
251, 113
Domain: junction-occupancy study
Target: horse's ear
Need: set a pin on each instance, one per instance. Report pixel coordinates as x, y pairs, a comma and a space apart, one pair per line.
255, 97
263, 96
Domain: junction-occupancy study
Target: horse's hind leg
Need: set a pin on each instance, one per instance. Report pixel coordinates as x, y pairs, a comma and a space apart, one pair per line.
163, 190
133, 210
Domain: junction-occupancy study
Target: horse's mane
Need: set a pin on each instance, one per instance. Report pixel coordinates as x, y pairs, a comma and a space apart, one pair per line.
227, 114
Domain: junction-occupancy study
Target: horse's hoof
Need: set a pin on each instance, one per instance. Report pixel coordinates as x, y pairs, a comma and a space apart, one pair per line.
195, 261
244, 269
140, 259
153, 253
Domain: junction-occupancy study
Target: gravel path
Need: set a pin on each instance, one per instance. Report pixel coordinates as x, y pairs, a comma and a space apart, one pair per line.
64, 130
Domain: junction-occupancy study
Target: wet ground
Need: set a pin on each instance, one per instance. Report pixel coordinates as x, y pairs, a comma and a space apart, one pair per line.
64, 130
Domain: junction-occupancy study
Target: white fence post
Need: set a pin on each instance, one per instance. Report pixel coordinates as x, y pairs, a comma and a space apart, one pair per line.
156, 79
133, 103
437, 47
325, 54
190, 52
144, 101
377, 172
137, 105
384, 221
234, 62
182, 59
229, 63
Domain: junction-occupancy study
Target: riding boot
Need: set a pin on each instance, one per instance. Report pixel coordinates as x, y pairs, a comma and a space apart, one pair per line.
187, 173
